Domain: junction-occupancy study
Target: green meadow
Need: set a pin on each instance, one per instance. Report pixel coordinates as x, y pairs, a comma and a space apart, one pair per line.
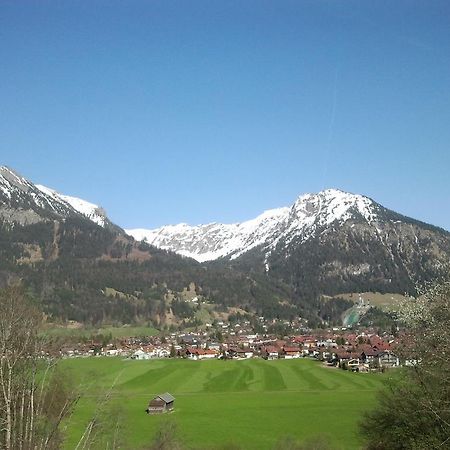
115, 332
252, 403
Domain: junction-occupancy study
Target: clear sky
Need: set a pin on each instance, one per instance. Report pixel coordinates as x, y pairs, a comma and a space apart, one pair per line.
197, 111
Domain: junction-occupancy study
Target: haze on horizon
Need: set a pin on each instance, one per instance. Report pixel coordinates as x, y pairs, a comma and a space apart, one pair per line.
168, 112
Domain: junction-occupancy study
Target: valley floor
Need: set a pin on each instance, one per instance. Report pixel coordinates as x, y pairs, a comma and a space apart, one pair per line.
252, 403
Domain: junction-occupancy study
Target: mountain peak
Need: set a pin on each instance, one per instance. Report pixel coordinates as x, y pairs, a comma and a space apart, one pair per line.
25, 202
10, 179
302, 219
333, 194
5, 170
335, 204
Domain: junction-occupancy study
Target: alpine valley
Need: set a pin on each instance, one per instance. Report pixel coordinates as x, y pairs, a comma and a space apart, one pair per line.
288, 262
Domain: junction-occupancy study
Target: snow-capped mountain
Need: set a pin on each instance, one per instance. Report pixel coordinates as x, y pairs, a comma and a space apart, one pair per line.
213, 241
301, 220
23, 202
281, 262
330, 242
93, 212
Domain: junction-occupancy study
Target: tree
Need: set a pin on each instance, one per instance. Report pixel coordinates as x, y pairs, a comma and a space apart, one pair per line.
166, 437
413, 411
34, 399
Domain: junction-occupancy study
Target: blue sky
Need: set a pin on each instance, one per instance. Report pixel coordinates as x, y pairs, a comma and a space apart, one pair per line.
199, 111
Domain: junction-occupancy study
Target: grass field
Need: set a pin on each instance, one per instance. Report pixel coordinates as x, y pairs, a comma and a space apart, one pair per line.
116, 332
386, 302
252, 403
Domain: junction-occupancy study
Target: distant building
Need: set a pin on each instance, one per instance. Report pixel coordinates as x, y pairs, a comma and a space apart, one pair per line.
140, 354
388, 359
270, 352
291, 352
200, 353
160, 404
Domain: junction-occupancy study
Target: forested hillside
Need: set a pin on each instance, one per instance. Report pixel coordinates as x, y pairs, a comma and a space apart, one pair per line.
84, 268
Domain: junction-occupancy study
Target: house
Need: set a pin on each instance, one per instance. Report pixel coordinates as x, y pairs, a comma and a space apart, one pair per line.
270, 352
160, 404
312, 352
369, 355
207, 354
353, 364
200, 353
240, 353
162, 352
111, 352
291, 352
341, 356
388, 359
324, 354
214, 346
140, 354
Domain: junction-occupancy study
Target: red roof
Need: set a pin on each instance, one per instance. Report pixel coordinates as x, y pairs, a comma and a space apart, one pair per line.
271, 349
291, 349
342, 354
201, 351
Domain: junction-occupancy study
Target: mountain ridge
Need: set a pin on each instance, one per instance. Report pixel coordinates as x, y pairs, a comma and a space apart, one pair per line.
324, 244
79, 270
33, 203
279, 264
213, 241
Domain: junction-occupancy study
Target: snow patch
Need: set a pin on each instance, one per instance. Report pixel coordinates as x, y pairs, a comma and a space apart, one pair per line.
90, 210
298, 222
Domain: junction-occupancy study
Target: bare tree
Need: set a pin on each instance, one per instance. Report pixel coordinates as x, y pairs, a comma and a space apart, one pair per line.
33, 397
166, 437
103, 431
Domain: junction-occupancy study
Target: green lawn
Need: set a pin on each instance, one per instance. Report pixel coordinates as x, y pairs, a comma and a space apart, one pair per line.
116, 332
252, 403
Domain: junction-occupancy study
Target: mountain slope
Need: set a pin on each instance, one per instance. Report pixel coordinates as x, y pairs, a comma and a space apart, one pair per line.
213, 241
309, 213
54, 244
325, 243
24, 203
278, 265
93, 212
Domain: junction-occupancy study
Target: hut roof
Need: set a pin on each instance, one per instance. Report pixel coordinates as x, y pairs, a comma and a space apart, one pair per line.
166, 397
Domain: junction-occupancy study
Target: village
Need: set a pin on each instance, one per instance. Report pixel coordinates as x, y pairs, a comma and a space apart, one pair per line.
361, 350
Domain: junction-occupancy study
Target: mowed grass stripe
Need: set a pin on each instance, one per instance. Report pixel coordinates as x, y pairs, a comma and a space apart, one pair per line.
222, 381
252, 402
232, 376
258, 382
348, 380
311, 378
162, 378
272, 378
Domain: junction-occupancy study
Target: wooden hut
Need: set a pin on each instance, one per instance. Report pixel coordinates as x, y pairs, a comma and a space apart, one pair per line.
160, 404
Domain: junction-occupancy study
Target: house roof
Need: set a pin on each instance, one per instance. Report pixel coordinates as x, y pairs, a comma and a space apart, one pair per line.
291, 349
166, 397
371, 352
271, 349
200, 351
